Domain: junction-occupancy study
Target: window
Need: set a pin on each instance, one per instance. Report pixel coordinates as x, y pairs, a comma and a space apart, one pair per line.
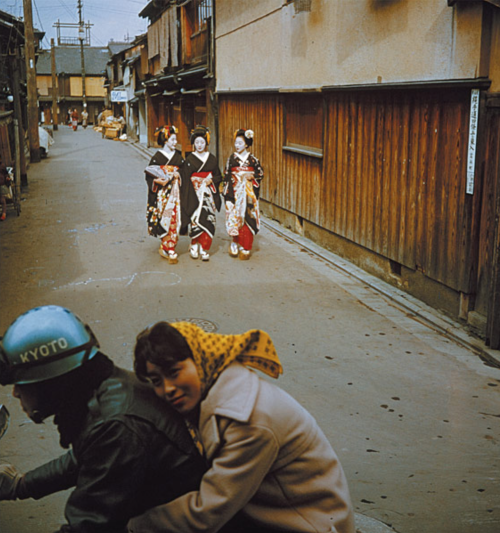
203, 11
304, 124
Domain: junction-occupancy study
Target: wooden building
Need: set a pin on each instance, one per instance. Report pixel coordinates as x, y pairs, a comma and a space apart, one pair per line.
68, 68
179, 88
12, 78
127, 69
14, 116
378, 126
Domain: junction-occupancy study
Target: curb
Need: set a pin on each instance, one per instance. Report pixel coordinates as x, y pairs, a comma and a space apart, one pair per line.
143, 150
366, 524
432, 317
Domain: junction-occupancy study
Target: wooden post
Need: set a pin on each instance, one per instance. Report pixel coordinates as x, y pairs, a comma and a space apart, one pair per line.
17, 166
55, 91
29, 52
493, 324
81, 34
19, 133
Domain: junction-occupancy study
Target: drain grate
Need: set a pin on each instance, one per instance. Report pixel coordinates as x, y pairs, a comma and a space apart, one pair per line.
206, 325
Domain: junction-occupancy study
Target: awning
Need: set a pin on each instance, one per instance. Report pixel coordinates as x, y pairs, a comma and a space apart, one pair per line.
192, 73
132, 60
192, 91
74, 99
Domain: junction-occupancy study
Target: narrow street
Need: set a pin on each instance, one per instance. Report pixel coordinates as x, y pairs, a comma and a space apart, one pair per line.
413, 415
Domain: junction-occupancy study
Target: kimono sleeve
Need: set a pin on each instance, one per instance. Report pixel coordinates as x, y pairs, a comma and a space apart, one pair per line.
258, 176
228, 190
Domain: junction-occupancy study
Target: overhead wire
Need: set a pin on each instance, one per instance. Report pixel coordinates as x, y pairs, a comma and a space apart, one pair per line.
47, 10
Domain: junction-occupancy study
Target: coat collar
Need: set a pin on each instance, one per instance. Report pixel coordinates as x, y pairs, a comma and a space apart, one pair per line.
232, 396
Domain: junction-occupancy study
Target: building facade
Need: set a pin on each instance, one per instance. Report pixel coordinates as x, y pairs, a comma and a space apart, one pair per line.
179, 88
377, 124
14, 115
126, 71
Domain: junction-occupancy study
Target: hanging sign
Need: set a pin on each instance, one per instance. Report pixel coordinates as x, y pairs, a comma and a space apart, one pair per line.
118, 96
471, 154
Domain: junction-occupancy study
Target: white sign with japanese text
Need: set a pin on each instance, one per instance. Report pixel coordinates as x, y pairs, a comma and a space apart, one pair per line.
118, 96
471, 154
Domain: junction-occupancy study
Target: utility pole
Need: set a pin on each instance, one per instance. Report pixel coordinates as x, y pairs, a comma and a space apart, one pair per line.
81, 35
29, 53
55, 91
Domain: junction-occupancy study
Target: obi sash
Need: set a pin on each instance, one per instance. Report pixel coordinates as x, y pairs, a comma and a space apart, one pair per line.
198, 179
244, 174
201, 174
242, 169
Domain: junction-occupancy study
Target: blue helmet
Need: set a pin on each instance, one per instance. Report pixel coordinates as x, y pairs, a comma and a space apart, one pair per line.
44, 343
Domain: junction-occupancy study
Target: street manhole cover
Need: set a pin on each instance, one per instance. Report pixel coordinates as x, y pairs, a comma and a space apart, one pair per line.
207, 325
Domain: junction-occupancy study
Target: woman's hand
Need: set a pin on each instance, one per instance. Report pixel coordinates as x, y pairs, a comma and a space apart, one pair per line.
161, 181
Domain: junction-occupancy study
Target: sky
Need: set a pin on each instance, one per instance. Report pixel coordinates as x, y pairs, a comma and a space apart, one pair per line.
111, 19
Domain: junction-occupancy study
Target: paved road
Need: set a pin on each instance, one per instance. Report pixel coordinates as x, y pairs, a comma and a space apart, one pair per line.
414, 416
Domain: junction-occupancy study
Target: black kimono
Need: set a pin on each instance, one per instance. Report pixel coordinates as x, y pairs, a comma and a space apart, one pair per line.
201, 200
161, 200
242, 179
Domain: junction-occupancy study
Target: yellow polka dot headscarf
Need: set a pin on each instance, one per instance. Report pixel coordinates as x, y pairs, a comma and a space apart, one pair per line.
213, 352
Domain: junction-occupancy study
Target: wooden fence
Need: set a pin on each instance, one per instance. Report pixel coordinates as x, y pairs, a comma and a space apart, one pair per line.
390, 174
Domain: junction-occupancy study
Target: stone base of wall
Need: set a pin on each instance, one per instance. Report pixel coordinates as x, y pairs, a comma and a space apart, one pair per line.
414, 282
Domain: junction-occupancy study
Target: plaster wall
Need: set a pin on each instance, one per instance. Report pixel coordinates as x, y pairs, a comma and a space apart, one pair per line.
264, 44
495, 53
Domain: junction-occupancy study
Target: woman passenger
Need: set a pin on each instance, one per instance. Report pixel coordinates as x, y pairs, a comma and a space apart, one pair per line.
267, 456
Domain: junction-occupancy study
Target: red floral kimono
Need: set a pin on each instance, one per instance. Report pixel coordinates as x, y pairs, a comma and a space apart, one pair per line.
242, 179
164, 213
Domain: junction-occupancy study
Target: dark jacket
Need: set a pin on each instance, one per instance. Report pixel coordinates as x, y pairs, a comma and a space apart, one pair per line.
129, 452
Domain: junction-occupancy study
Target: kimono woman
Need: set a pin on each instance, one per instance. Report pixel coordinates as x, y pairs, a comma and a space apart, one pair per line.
164, 215
202, 176
74, 119
267, 455
242, 178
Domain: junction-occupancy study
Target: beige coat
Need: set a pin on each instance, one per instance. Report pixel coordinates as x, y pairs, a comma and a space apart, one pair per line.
268, 457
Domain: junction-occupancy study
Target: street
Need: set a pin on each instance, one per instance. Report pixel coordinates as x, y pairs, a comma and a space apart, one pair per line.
413, 415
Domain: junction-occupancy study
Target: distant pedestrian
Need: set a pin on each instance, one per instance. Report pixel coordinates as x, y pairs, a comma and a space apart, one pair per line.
85, 117
202, 199
165, 219
242, 178
74, 119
